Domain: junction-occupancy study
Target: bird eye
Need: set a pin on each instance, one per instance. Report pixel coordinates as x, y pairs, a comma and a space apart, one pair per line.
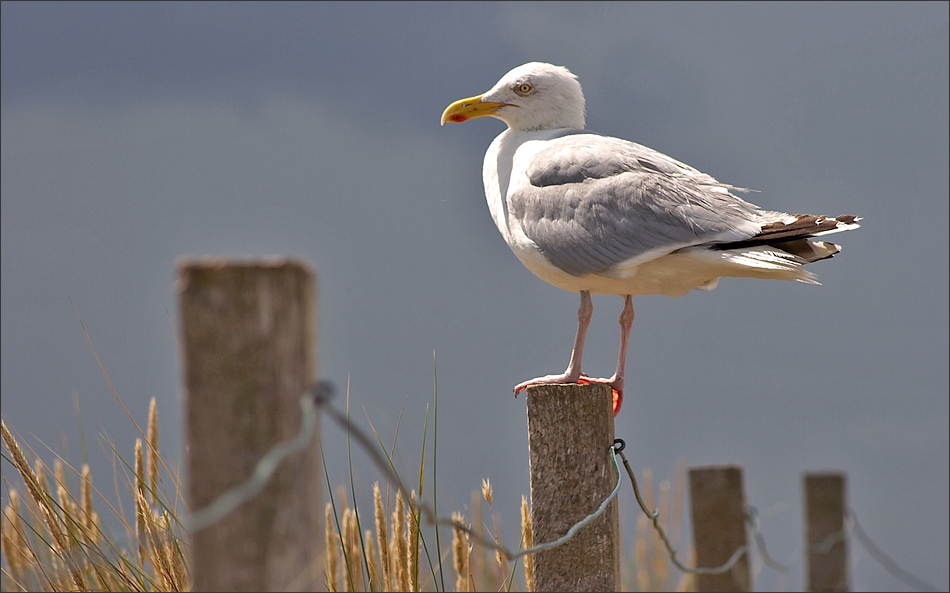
523, 88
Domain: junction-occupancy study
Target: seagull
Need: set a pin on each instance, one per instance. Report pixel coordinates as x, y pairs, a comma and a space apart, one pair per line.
594, 214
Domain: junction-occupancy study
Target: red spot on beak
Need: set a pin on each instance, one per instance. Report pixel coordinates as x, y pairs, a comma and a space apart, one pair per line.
457, 118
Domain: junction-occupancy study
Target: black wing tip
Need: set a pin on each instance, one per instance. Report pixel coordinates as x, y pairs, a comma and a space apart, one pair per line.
803, 227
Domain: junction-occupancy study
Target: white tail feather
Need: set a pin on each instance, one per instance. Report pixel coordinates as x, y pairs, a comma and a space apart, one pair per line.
765, 261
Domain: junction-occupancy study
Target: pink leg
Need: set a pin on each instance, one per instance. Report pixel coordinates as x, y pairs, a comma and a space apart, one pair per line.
616, 382
573, 372
626, 321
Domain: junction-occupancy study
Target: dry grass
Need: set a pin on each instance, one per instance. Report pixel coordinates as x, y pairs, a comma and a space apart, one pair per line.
461, 551
651, 561
57, 542
527, 533
53, 539
397, 561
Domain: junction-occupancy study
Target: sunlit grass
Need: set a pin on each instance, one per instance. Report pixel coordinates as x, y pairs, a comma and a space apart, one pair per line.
54, 538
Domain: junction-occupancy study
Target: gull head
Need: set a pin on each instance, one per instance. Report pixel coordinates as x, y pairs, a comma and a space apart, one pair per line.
534, 96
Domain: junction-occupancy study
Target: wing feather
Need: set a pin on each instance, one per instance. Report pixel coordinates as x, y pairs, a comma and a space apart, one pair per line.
593, 202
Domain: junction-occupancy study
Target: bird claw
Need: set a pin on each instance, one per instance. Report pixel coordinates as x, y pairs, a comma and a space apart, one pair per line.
616, 387
548, 380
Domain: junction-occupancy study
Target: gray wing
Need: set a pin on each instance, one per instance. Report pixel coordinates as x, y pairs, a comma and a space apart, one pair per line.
596, 201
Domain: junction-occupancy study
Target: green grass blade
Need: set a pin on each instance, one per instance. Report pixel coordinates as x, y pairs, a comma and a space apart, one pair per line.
435, 465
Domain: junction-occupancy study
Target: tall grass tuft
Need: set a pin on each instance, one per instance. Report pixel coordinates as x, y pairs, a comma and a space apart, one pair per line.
58, 543
332, 563
382, 540
460, 555
527, 535
650, 559
53, 539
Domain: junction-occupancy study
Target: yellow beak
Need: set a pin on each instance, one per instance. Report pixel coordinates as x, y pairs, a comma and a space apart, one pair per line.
466, 109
